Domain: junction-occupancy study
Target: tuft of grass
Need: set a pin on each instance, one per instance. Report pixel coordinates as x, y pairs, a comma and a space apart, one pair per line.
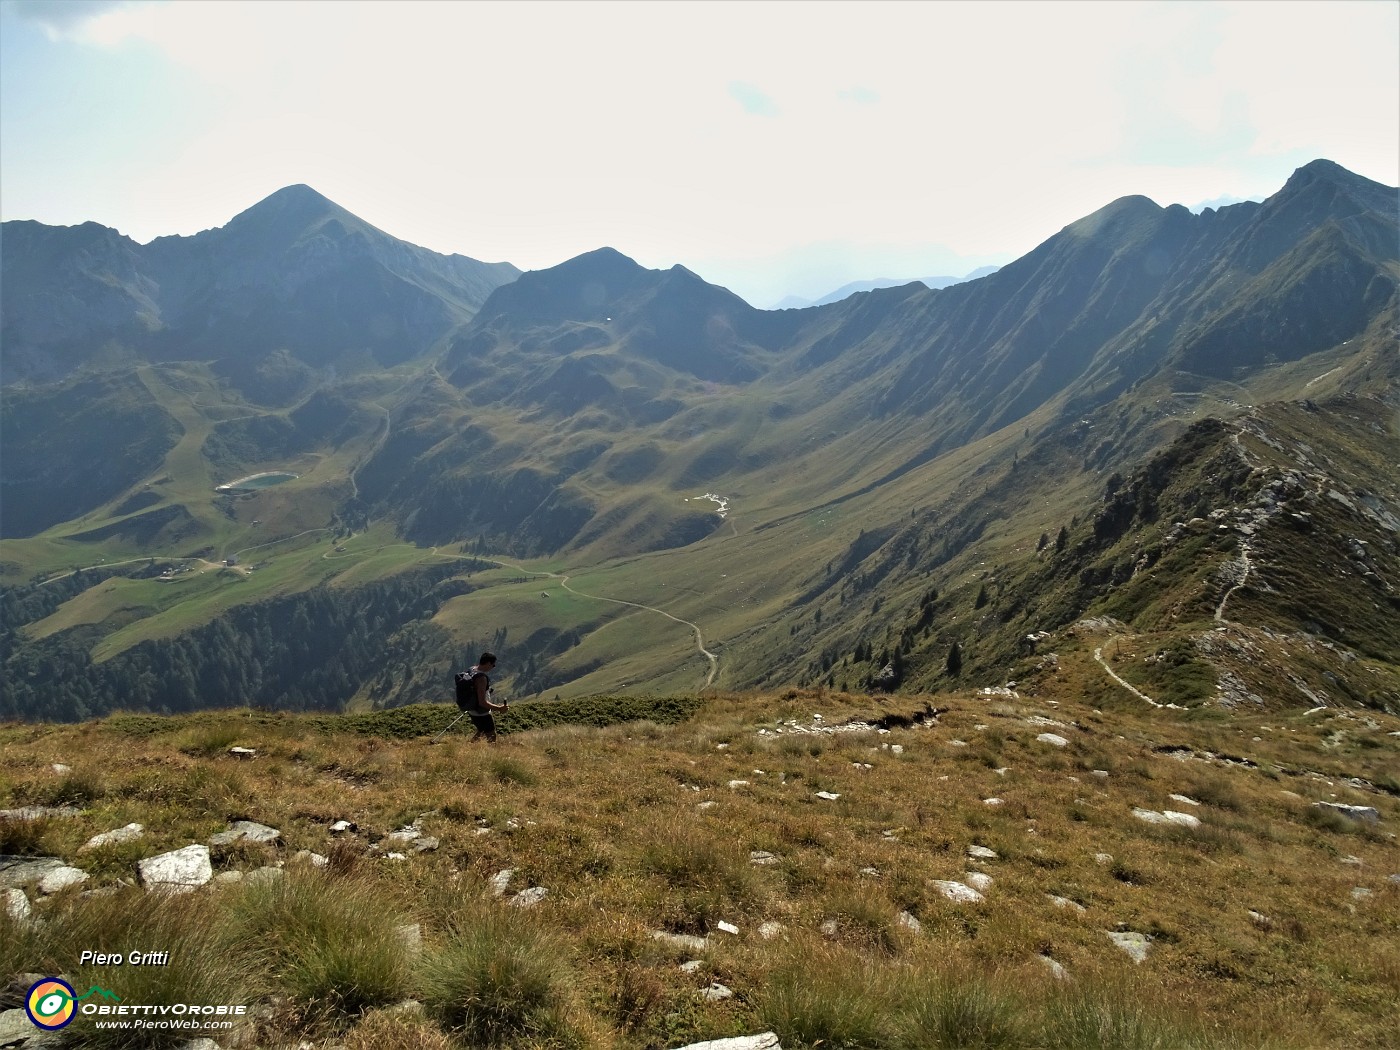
512, 771
498, 981
333, 944
207, 741
944, 1011
1089, 1019
24, 837
827, 998
209, 970
401, 1030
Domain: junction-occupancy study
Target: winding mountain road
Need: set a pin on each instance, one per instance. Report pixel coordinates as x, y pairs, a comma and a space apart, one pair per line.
563, 581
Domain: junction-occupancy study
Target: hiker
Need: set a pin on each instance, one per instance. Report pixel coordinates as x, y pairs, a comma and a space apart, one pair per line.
478, 703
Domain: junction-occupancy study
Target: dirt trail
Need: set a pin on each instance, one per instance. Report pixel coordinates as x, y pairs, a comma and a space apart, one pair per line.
1098, 655
564, 582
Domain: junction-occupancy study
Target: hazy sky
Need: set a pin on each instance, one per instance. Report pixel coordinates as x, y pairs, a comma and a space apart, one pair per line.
772, 148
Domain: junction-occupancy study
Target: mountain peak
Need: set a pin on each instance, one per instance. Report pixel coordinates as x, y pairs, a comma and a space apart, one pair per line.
1328, 173
298, 204
1115, 217
600, 264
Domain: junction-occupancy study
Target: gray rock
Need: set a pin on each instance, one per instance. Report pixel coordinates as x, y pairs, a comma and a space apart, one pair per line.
38, 812
529, 898
693, 966
1056, 970
245, 831
227, 878
1184, 819
1103, 858
426, 844
17, 1030
410, 935
242, 752
828, 796
764, 1041
340, 827
978, 881
21, 871
769, 930
1261, 920
61, 879
1135, 944
1167, 816
500, 881
316, 860
717, 993
178, 871
1066, 903
830, 928
727, 927
1360, 893
408, 833
762, 856
16, 904
264, 876
957, 892
908, 922
1053, 739
129, 833
981, 853
1184, 800
1369, 814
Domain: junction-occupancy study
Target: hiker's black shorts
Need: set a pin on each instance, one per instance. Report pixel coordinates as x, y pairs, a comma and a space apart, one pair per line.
484, 723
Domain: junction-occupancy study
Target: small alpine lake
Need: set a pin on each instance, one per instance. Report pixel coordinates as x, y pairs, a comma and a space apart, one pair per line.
254, 482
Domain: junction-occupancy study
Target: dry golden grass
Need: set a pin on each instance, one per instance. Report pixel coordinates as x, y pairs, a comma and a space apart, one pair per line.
638, 828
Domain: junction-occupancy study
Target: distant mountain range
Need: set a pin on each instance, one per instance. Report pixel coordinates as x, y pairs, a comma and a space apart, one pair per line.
882, 458
295, 271
796, 302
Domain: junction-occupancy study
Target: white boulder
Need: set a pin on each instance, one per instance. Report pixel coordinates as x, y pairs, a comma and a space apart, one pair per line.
1369, 814
128, 833
178, 871
245, 831
957, 892
764, 1041
1135, 944
61, 879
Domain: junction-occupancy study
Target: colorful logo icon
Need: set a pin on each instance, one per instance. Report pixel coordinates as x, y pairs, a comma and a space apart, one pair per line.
51, 1003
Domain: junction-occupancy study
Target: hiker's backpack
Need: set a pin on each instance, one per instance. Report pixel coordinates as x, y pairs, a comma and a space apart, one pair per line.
466, 689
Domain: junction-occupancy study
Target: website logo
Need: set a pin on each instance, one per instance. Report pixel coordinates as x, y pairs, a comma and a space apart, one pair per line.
51, 1003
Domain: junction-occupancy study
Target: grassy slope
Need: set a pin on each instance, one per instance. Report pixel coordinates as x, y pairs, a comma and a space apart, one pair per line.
799, 500
609, 820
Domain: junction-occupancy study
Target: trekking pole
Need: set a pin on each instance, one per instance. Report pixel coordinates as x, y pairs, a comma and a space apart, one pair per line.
449, 726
